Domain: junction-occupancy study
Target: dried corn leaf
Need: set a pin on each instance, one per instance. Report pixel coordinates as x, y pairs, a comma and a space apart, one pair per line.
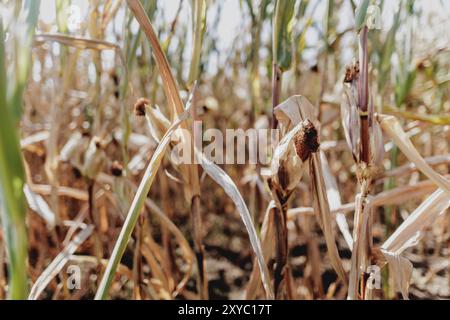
322, 209
34, 138
58, 263
156, 270
359, 235
169, 84
189, 172
396, 196
220, 177
136, 207
408, 234
295, 110
268, 241
401, 269
77, 42
157, 122
182, 242
421, 218
395, 131
334, 199
40, 206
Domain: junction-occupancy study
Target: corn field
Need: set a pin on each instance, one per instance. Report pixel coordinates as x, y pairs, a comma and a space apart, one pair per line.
127, 130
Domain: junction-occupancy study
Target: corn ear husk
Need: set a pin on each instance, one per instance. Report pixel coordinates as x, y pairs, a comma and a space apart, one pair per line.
94, 159
286, 164
350, 119
351, 123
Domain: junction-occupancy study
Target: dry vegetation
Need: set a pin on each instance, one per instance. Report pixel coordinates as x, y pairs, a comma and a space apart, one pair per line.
357, 182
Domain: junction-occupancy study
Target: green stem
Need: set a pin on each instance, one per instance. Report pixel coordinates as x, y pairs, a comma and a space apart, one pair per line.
199, 23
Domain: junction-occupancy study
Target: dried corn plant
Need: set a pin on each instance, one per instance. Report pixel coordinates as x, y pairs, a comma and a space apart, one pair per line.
296, 150
348, 197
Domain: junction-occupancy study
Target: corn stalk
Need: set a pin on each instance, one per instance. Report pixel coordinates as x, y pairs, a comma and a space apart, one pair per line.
198, 28
364, 138
281, 48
